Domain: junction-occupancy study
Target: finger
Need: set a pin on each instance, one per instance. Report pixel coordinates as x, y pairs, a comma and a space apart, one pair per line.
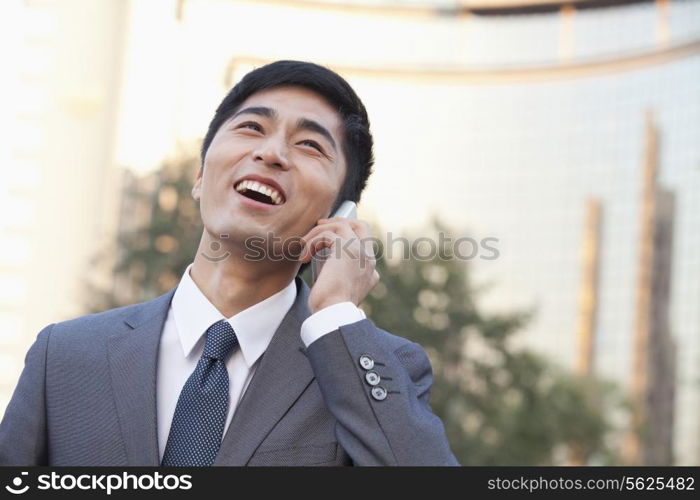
324, 239
366, 248
333, 219
355, 223
360, 227
338, 227
315, 230
364, 235
367, 240
312, 247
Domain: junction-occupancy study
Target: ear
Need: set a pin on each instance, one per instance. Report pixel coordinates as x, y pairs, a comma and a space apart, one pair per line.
196, 189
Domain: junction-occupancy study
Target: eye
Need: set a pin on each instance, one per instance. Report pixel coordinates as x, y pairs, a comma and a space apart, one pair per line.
251, 126
313, 144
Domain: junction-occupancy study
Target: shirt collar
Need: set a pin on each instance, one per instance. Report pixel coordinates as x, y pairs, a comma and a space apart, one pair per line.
254, 326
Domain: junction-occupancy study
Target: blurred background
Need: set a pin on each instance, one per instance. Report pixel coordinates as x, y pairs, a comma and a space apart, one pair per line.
568, 131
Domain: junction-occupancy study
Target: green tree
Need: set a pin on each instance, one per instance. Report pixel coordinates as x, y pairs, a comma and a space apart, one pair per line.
159, 233
502, 405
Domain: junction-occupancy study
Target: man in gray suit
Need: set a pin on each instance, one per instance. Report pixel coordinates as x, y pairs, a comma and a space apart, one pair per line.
242, 363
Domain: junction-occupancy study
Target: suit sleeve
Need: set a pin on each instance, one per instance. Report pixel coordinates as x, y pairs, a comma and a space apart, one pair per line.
23, 428
383, 418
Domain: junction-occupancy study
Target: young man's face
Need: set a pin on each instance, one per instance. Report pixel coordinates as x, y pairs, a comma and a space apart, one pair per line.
289, 138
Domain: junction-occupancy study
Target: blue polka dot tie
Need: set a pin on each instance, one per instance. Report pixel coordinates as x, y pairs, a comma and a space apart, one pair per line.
200, 415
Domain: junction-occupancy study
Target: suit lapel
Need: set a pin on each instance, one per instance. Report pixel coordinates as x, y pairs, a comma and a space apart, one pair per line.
282, 375
133, 357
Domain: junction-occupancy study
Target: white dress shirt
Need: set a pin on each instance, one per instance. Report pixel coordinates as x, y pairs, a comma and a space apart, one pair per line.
182, 341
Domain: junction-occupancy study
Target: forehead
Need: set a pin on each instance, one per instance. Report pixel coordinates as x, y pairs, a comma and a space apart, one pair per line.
296, 102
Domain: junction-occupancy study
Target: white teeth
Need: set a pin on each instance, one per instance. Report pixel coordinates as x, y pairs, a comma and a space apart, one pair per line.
260, 188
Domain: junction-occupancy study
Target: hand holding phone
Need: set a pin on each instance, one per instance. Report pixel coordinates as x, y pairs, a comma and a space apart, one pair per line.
348, 210
348, 276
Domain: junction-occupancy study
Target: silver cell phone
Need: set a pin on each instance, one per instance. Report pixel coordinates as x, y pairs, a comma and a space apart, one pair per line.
347, 209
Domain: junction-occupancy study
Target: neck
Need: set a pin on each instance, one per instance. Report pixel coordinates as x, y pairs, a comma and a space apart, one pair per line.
234, 284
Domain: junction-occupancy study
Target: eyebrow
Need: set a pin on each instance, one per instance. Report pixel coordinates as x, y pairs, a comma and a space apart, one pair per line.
302, 123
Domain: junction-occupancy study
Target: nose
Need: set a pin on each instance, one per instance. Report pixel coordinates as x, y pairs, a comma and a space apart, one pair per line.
272, 153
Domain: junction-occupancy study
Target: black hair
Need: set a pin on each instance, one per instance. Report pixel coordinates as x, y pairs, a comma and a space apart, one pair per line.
356, 142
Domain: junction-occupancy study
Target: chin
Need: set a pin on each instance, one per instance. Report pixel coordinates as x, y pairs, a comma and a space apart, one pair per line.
240, 232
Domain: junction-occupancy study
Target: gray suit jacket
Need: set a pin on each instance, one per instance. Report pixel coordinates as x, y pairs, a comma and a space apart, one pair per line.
87, 397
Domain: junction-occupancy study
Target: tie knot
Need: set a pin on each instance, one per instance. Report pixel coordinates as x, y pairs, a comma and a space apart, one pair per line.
221, 340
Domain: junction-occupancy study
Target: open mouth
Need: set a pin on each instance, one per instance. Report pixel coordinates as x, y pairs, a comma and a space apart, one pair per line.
259, 192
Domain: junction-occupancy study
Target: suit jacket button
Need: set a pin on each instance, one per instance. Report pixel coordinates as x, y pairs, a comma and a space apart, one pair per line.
366, 362
378, 393
372, 377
